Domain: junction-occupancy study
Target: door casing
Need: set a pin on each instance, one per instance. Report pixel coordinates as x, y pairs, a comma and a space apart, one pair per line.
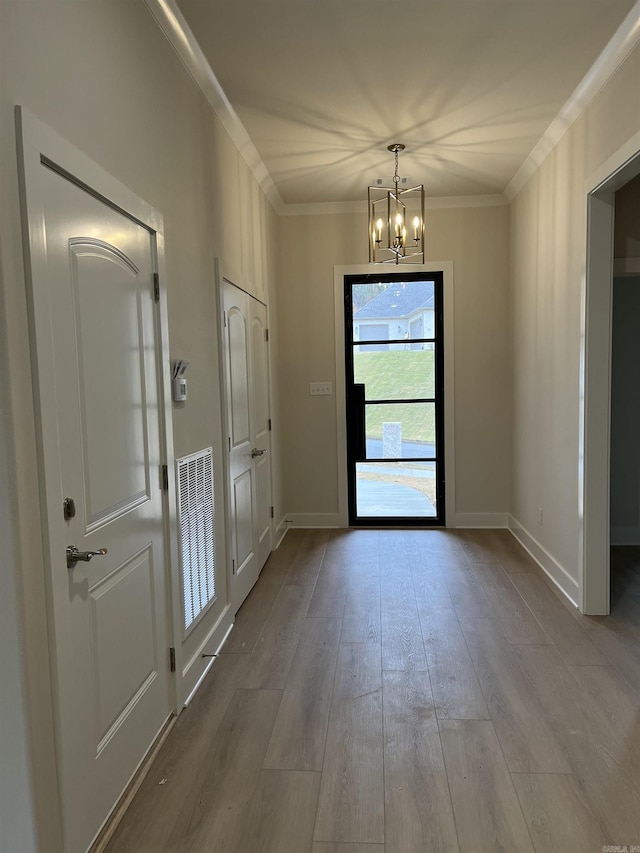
392, 275
38, 144
595, 379
339, 273
263, 542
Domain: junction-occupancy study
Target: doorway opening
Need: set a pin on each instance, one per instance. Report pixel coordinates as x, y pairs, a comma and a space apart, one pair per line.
394, 388
596, 433
625, 408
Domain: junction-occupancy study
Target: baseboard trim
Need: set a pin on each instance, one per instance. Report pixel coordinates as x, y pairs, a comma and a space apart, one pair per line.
479, 519
195, 669
313, 519
560, 577
119, 810
281, 532
212, 657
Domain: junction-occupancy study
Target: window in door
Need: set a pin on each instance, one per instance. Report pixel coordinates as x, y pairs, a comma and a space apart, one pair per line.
395, 398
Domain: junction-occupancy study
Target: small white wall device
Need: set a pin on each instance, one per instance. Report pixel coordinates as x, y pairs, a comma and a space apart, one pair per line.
179, 383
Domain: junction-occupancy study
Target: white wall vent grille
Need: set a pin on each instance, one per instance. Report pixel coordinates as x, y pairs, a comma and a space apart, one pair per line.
197, 535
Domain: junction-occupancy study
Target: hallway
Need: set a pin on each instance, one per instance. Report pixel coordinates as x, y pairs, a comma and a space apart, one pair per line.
397, 691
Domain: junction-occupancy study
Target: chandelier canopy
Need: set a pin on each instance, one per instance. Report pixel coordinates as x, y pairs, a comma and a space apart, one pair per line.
396, 220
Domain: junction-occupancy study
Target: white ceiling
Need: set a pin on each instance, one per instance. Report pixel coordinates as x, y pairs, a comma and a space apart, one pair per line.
323, 86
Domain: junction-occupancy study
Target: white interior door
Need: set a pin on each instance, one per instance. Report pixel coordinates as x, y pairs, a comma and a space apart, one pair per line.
247, 411
262, 430
95, 346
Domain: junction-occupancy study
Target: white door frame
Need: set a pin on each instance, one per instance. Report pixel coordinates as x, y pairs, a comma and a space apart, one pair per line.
38, 143
224, 273
595, 378
339, 273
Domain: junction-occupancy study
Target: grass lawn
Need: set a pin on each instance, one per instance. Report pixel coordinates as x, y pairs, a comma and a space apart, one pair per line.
398, 375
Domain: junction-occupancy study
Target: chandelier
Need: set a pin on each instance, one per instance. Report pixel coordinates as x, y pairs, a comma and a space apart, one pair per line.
396, 220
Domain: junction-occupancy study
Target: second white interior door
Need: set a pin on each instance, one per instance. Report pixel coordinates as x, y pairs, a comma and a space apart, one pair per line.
248, 436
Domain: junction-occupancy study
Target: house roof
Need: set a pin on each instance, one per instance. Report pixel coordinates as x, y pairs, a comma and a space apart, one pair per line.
398, 300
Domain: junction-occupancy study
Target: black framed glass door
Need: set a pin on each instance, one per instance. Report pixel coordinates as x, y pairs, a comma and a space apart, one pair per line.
395, 398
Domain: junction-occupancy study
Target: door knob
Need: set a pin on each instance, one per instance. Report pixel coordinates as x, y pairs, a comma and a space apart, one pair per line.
255, 452
74, 556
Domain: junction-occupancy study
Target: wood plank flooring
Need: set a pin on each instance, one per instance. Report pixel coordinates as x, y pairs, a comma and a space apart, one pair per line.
406, 691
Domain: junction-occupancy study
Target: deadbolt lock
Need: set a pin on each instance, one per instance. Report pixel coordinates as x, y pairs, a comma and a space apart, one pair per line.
68, 509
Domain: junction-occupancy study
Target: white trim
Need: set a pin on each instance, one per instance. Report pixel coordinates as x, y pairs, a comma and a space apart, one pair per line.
449, 389
480, 519
339, 272
211, 658
595, 378
435, 203
313, 519
172, 22
280, 532
625, 39
567, 585
626, 267
177, 31
224, 274
617, 170
595, 409
175, 27
197, 666
36, 141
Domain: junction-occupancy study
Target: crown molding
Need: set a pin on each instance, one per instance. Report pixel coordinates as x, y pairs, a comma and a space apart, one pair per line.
179, 35
625, 39
435, 203
177, 31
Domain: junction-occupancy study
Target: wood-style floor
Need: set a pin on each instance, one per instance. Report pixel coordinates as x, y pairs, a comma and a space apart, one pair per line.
401, 692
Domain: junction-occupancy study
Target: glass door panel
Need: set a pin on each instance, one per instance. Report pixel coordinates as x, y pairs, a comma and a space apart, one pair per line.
394, 374
400, 430
400, 374
396, 489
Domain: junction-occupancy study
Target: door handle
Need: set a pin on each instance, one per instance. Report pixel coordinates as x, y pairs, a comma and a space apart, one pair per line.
356, 417
74, 556
255, 452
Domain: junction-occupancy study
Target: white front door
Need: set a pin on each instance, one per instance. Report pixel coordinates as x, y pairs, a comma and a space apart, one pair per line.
96, 351
247, 416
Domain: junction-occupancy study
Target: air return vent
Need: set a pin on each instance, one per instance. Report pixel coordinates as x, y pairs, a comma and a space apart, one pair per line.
196, 529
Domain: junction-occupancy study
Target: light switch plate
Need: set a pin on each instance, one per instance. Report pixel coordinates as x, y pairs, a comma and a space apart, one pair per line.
320, 388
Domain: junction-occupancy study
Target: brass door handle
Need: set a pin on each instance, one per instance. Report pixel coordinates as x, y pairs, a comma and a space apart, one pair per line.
74, 556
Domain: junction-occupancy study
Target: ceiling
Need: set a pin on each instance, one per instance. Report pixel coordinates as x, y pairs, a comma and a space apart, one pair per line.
323, 86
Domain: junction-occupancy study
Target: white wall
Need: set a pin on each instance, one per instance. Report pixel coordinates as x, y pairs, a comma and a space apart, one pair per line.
548, 228
476, 239
17, 819
102, 75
